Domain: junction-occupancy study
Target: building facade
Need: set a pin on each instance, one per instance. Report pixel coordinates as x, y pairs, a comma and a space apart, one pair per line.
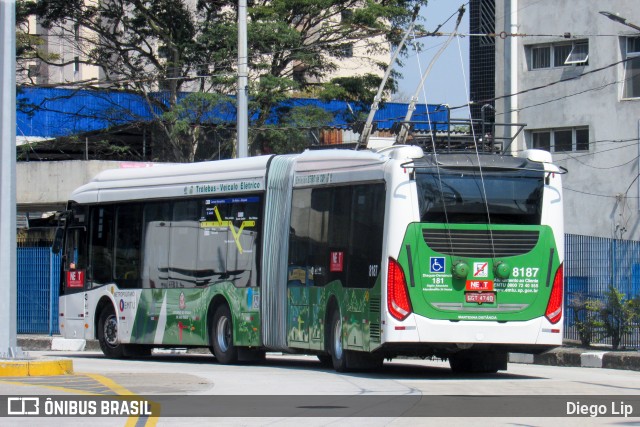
571, 73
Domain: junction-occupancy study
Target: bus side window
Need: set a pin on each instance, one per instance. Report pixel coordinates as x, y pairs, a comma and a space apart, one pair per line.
127, 245
365, 244
74, 252
101, 245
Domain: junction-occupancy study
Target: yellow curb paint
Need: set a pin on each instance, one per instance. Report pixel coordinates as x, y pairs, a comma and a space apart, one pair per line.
35, 368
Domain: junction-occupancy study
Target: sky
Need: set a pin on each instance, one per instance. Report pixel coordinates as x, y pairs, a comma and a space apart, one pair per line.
448, 81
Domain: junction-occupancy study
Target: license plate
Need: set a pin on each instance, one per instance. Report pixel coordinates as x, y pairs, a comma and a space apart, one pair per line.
480, 297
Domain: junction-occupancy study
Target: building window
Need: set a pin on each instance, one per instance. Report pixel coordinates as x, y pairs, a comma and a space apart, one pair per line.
561, 140
558, 55
541, 57
299, 74
542, 140
346, 50
578, 55
632, 68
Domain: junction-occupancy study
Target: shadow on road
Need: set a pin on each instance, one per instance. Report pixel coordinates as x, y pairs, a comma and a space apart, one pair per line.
398, 369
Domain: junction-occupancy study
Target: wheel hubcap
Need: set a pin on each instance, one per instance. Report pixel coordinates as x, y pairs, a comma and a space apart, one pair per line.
224, 334
337, 340
111, 331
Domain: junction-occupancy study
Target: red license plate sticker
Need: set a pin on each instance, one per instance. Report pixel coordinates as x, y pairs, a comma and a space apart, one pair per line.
479, 285
480, 297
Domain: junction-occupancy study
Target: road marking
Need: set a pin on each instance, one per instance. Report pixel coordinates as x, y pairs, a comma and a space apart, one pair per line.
88, 384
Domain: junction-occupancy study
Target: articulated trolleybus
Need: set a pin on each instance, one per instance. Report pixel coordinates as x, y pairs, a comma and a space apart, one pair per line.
354, 256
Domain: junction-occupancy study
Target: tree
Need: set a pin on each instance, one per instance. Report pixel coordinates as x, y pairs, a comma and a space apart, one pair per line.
296, 132
618, 315
144, 46
586, 318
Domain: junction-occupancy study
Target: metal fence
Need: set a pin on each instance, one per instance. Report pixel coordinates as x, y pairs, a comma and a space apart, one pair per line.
591, 265
38, 276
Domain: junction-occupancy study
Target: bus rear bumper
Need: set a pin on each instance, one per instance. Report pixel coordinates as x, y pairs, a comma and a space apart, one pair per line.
418, 329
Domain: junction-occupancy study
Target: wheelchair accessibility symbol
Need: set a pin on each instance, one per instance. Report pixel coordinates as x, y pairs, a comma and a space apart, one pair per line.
437, 264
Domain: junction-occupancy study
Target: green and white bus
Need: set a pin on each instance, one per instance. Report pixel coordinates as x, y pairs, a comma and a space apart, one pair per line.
354, 256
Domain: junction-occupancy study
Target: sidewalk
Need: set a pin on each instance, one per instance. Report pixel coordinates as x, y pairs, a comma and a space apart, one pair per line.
563, 356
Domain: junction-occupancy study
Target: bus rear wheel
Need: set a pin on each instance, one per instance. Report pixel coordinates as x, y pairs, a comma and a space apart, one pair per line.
222, 336
108, 334
336, 349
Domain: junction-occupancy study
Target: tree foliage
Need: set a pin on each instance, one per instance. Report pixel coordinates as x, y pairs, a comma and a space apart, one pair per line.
173, 46
619, 315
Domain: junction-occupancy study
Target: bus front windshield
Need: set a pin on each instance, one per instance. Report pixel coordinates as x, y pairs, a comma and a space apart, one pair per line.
461, 196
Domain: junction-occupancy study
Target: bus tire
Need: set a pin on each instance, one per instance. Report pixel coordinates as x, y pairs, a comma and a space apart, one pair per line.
336, 348
222, 336
108, 334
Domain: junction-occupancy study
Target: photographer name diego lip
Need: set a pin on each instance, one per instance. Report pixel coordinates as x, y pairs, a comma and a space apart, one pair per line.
615, 409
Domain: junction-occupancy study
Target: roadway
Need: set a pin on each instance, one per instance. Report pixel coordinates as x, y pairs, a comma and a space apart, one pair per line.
203, 380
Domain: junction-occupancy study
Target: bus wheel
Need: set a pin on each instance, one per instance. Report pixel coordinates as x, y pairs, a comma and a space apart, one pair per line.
222, 336
108, 334
338, 354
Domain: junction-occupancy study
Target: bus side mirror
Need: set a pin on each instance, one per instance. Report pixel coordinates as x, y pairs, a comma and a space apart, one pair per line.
57, 241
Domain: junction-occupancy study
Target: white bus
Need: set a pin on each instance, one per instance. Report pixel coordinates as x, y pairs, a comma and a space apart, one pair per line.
354, 256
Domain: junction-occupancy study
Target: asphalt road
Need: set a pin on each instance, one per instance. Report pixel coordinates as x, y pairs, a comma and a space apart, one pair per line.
197, 380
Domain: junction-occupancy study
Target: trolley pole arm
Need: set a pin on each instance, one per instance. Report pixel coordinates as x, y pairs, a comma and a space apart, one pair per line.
368, 126
404, 129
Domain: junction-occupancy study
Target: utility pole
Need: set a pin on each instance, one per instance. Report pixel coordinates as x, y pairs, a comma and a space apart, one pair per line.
8, 261
242, 124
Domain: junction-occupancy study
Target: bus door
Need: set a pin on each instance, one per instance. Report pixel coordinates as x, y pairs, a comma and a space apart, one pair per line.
73, 304
298, 307
300, 276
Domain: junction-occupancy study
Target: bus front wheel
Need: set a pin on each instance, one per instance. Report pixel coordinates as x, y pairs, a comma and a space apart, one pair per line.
108, 334
222, 336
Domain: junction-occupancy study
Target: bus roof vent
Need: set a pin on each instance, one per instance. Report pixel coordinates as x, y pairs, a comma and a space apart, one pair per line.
539, 156
402, 152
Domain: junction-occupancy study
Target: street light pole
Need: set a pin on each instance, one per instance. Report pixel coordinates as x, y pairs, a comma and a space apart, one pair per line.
242, 126
619, 19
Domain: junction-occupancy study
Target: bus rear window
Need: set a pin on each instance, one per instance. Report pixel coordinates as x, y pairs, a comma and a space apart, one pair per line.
462, 197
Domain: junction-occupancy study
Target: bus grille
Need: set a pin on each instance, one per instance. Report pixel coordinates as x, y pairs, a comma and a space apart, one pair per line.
374, 317
374, 332
481, 243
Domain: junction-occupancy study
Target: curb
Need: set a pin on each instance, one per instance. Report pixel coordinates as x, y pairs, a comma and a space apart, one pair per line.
35, 368
56, 343
583, 358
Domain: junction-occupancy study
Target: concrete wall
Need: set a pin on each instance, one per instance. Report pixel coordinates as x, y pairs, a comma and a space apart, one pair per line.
46, 186
601, 188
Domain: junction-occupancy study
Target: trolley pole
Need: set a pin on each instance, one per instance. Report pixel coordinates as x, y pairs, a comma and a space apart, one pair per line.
242, 108
8, 287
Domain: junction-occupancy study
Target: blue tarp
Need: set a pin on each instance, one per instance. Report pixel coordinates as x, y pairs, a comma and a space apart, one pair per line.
50, 113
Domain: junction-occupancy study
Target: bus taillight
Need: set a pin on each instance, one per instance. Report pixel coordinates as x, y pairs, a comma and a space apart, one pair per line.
554, 307
397, 293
